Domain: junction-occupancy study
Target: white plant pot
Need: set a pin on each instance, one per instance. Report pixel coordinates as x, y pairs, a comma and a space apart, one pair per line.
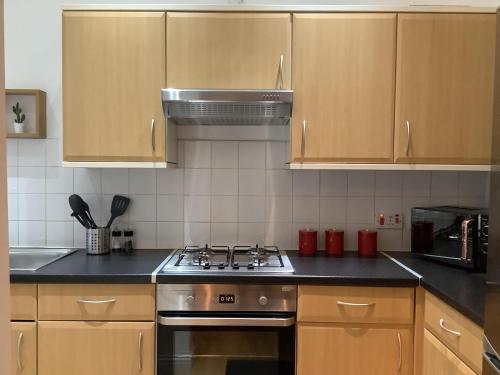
19, 127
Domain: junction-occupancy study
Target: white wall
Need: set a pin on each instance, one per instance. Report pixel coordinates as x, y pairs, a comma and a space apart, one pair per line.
164, 202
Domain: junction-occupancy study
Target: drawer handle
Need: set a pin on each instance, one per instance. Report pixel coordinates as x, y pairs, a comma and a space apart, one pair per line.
139, 350
400, 362
19, 345
342, 303
99, 302
441, 324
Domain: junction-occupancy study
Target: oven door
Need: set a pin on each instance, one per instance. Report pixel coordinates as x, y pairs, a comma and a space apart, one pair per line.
226, 344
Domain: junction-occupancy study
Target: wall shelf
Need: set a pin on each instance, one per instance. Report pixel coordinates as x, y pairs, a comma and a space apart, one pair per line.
33, 103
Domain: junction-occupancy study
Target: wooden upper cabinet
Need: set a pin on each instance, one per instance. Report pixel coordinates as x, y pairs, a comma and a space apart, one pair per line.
343, 81
113, 71
444, 88
228, 50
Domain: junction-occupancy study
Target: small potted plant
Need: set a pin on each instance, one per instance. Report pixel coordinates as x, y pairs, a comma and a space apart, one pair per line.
19, 120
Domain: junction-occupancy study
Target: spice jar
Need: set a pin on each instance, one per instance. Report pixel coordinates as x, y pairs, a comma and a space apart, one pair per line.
128, 241
116, 240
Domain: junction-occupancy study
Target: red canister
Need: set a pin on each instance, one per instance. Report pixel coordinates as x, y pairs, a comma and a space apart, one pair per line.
367, 243
334, 242
308, 242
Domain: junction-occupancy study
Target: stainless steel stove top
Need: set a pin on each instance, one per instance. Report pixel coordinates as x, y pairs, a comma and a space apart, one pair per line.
226, 260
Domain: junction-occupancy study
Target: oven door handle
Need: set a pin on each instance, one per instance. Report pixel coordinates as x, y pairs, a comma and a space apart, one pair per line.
225, 322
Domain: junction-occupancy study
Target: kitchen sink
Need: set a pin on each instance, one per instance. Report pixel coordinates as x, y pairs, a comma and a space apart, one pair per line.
32, 258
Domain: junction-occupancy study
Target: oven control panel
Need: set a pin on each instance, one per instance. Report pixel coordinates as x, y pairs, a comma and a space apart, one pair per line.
220, 297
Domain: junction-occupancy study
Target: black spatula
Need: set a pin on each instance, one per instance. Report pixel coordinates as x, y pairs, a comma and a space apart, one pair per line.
118, 207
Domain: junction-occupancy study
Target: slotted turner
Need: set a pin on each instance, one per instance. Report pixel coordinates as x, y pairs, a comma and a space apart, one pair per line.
118, 207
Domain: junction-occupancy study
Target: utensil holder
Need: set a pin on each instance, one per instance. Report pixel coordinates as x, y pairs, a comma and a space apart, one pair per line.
97, 241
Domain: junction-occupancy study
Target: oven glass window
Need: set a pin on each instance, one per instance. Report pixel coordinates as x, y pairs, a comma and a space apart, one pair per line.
225, 350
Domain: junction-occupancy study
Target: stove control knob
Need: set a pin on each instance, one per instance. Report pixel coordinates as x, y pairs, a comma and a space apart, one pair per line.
263, 300
190, 300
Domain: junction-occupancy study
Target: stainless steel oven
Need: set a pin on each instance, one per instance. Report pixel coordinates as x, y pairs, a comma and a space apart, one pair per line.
217, 329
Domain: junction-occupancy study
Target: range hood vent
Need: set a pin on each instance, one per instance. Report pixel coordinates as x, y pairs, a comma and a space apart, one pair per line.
227, 107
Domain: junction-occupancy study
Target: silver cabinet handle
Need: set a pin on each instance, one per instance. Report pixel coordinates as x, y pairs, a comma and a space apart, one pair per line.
19, 345
98, 302
342, 303
303, 141
139, 350
408, 135
226, 322
153, 141
400, 361
441, 324
279, 78
465, 239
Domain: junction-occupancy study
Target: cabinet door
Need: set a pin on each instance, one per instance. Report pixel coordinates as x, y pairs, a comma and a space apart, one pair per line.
82, 348
23, 348
444, 88
113, 71
343, 81
353, 350
227, 50
439, 360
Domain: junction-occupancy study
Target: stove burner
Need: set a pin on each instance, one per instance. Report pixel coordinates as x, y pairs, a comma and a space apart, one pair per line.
224, 259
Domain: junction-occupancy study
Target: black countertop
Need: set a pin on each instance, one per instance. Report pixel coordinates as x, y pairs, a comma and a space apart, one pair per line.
320, 270
462, 289
82, 268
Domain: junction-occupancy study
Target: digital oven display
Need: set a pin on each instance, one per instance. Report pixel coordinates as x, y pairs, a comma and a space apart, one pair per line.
227, 298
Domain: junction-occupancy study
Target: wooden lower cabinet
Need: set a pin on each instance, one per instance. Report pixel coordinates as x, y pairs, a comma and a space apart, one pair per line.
439, 360
82, 348
354, 349
23, 348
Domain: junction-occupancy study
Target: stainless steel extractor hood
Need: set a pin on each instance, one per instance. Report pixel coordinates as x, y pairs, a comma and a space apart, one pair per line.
227, 107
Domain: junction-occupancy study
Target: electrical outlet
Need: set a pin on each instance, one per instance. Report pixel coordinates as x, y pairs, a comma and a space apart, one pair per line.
389, 220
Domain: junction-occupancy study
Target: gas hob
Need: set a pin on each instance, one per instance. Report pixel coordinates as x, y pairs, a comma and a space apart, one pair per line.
226, 260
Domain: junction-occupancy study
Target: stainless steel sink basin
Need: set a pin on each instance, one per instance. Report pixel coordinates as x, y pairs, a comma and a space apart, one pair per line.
32, 259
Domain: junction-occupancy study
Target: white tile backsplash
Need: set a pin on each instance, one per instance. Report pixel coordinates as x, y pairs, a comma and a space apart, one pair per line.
225, 155
60, 233
31, 180
31, 153
252, 155
306, 183
59, 180
197, 154
197, 181
224, 182
87, 181
230, 192
197, 208
252, 182
141, 181
333, 184
170, 208
251, 209
170, 181
31, 207
115, 181
224, 209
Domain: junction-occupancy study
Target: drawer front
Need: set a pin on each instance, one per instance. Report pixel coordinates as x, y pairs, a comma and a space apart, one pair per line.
457, 332
355, 304
96, 302
23, 301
